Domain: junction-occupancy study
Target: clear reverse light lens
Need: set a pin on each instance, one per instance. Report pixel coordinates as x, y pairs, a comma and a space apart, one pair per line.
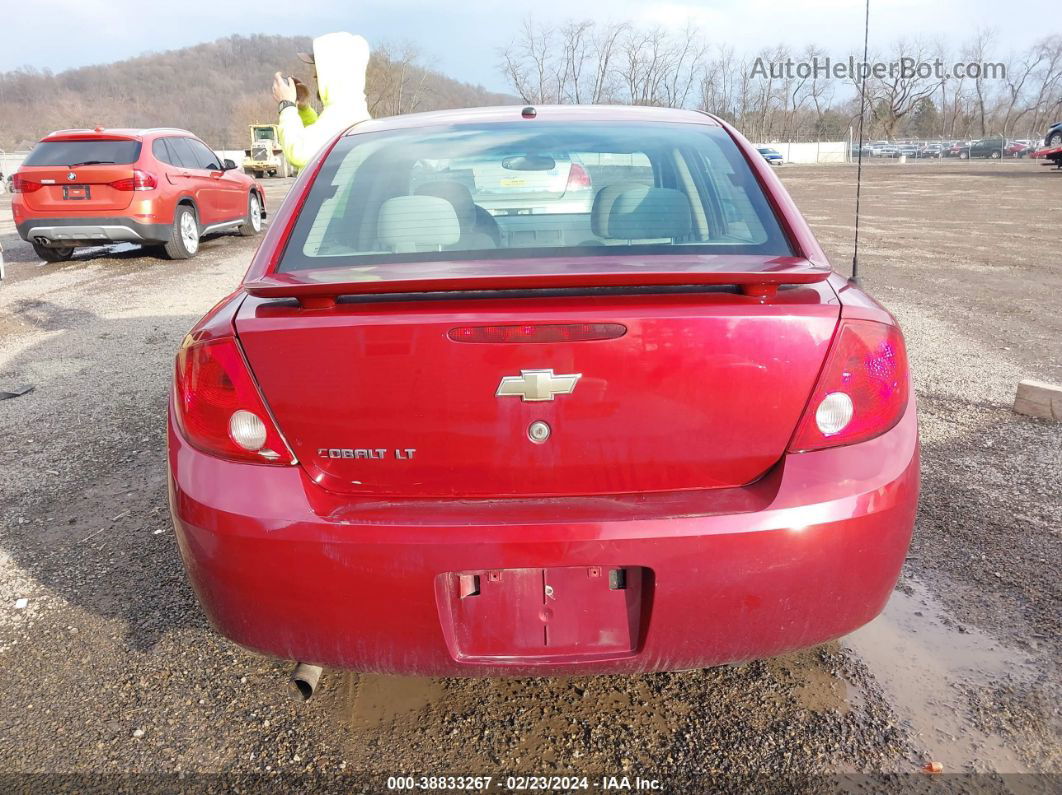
249, 432
833, 413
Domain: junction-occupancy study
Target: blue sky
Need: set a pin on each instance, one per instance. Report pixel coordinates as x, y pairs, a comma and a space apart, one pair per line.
461, 37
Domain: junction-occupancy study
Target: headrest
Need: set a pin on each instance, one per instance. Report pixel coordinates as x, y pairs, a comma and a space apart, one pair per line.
417, 223
457, 194
627, 211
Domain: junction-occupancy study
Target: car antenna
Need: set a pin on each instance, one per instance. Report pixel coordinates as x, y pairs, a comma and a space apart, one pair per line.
854, 279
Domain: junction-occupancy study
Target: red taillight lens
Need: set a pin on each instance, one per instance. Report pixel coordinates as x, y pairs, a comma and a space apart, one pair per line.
862, 391
141, 180
218, 407
529, 332
19, 184
578, 178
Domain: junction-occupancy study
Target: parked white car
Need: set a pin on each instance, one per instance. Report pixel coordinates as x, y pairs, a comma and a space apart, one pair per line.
883, 149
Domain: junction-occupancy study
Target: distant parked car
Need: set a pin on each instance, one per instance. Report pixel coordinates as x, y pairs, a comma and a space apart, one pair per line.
908, 150
155, 187
772, 156
991, 148
884, 149
557, 184
1054, 135
957, 149
931, 150
1017, 149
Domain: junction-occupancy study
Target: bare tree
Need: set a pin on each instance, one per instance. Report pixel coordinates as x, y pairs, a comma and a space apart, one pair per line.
719, 78
605, 44
582, 61
683, 57
576, 49
1045, 103
976, 51
395, 80
820, 90
896, 94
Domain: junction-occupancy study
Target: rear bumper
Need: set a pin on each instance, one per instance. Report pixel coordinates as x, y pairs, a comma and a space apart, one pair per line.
90, 231
812, 553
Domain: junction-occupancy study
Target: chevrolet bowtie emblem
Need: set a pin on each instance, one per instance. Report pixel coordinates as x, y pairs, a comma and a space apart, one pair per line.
537, 385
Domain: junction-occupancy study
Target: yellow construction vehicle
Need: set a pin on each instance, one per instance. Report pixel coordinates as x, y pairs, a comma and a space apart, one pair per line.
265, 157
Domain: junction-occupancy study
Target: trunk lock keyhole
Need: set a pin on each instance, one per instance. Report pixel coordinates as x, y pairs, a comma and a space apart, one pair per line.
538, 431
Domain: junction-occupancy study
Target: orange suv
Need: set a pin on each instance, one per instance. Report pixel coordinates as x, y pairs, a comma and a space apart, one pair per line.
155, 187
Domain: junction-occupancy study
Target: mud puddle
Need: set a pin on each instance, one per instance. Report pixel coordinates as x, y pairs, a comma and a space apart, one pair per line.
936, 677
374, 700
927, 663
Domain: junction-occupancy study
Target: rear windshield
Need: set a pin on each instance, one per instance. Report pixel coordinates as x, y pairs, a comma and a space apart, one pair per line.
532, 190
74, 153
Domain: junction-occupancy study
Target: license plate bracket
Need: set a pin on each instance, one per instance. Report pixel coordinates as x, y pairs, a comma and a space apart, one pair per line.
77, 192
535, 614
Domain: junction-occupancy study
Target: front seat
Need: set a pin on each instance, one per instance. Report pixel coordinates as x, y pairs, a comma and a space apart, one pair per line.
478, 227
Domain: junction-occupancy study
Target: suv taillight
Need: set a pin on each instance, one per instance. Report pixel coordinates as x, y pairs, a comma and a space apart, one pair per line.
141, 180
862, 390
19, 184
218, 407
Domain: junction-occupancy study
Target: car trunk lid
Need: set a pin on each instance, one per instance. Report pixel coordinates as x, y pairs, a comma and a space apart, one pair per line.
79, 173
379, 396
71, 190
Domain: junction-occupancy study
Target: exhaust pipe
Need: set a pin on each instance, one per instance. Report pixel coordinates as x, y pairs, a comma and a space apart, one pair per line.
304, 681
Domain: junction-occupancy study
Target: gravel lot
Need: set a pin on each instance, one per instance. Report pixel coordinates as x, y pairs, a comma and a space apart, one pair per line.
111, 670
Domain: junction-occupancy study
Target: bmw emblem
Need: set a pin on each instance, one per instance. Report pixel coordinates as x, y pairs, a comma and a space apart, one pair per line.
71, 176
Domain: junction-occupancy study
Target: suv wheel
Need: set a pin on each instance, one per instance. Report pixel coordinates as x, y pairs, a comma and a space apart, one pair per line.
184, 234
253, 224
964, 155
1055, 139
995, 154
49, 254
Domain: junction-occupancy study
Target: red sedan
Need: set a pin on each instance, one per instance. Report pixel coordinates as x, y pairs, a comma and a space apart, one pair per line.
652, 432
157, 187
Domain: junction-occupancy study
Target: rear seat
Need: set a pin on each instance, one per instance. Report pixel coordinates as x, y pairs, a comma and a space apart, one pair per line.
632, 212
478, 227
417, 223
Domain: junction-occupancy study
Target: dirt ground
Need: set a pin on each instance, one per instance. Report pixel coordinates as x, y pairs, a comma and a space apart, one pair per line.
113, 677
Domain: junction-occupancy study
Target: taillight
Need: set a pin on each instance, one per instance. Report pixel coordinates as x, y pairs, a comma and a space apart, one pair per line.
19, 184
532, 332
218, 407
862, 391
578, 178
141, 180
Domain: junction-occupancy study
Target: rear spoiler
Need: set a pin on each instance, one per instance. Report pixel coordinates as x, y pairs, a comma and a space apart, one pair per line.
754, 275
